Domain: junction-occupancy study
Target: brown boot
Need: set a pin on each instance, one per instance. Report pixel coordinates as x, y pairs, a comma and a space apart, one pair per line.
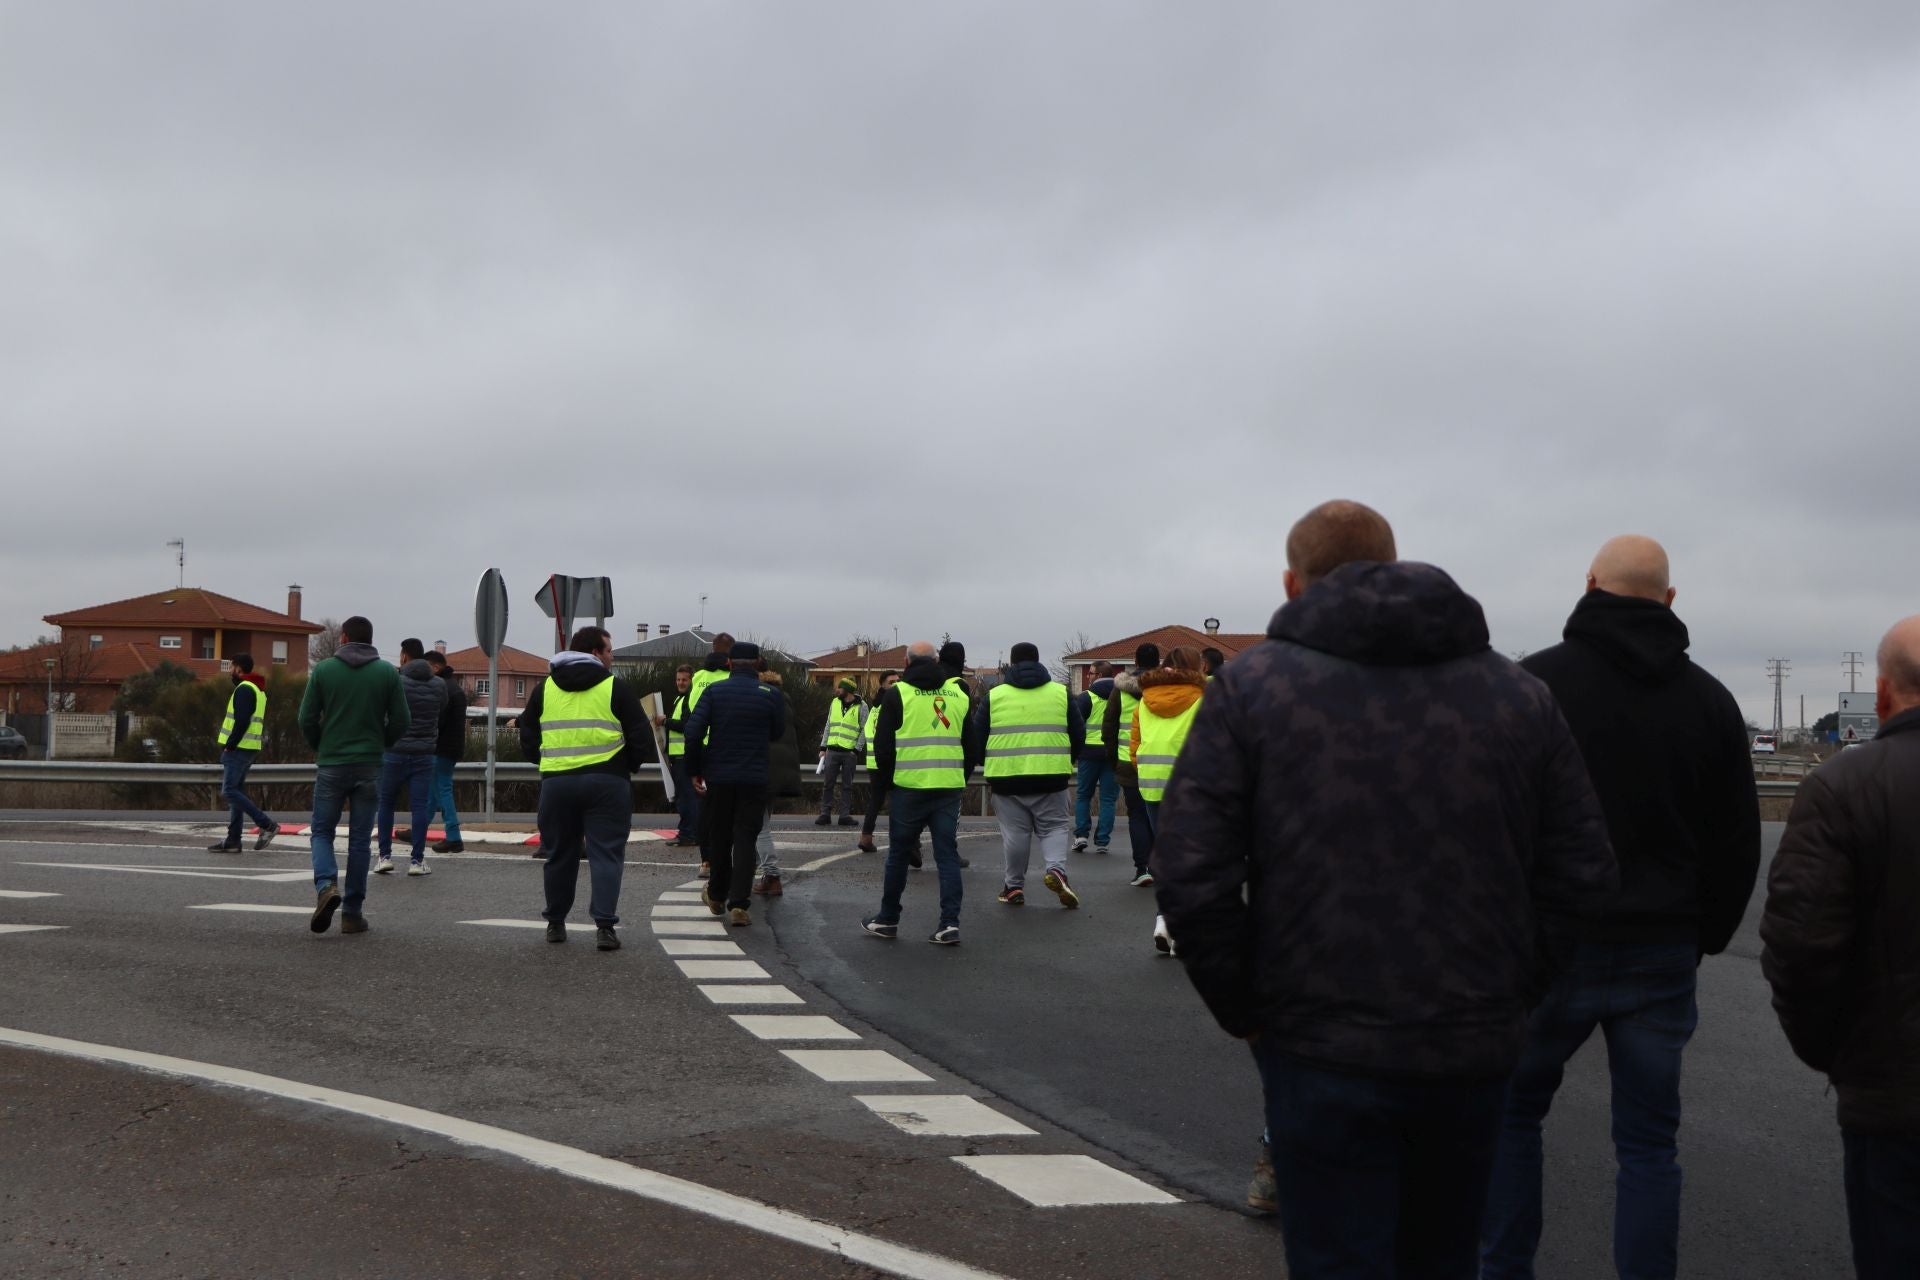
866, 845
760, 885
772, 886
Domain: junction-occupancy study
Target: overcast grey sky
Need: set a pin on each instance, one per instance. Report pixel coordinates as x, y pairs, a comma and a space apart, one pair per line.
1008, 320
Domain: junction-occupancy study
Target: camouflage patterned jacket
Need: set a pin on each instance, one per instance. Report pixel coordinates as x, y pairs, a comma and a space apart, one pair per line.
1369, 822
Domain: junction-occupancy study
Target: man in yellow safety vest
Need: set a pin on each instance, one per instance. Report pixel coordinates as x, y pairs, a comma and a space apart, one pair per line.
587, 729
242, 734
922, 754
1029, 733
1095, 768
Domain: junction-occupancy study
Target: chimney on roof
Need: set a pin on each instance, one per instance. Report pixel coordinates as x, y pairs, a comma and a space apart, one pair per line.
664, 628
440, 647
1213, 626
641, 630
293, 601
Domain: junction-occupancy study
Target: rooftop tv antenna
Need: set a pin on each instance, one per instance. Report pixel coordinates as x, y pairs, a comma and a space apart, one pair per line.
179, 546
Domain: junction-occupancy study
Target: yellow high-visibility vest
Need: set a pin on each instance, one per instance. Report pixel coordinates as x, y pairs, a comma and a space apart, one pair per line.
843, 724
1096, 720
578, 729
676, 740
1129, 702
1161, 738
255, 735
1027, 731
928, 751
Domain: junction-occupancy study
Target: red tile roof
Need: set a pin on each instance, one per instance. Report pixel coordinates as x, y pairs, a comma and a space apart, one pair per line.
513, 662
109, 664
1120, 652
185, 606
893, 659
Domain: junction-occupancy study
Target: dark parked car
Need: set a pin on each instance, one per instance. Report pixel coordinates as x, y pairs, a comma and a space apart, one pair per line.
12, 745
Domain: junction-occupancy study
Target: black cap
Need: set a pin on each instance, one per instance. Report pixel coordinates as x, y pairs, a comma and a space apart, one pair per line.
745, 651
1025, 651
953, 653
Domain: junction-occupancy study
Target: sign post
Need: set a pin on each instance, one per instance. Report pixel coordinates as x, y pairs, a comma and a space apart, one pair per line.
563, 599
1858, 721
490, 631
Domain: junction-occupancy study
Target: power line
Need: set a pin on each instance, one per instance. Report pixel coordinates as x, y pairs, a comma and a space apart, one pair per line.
1850, 667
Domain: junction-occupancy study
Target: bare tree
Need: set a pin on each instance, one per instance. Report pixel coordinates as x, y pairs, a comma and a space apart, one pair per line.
74, 662
322, 646
1078, 642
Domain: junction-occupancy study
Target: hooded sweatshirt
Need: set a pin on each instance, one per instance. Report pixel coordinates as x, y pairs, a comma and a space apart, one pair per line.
426, 698
354, 708
1025, 675
575, 673
922, 673
247, 687
1373, 819
1666, 747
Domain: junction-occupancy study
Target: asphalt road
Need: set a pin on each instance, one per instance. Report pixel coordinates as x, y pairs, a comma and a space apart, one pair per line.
620, 1055
1071, 1014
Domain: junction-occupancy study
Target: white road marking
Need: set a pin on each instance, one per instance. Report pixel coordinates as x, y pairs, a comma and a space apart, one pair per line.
794, 1026
28, 928
1054, 1182
943, 1115
818, 863
568, 1161
868, 1066
675, 895
699, 947
751, 995
687, 928
172, 871
722, 970
681, 913
25, 893
508, 924
250, 906
693, 884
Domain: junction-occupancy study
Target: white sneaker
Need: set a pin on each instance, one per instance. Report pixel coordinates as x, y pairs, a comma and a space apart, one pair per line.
1079, 844
1162, 940
383, 867
419, 869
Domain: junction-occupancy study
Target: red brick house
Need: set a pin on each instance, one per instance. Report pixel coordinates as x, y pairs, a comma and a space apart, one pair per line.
520, 673
1120, 652
101, 646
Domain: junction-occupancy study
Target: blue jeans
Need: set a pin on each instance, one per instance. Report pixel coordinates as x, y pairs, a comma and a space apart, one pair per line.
910, 811
415, 773
1641, 997
233, 776
1883, 1204
1139, 829
585, 814
443, 797
354, 787
685, 802
1378, 1177
1095, 774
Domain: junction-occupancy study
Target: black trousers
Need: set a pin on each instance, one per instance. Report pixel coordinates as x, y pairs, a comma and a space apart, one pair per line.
737, 810
877, 788
588, 814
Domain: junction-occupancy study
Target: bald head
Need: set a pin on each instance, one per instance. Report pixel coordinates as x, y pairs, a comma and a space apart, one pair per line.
1632, 565
921, 649
1898, 687
1332, 534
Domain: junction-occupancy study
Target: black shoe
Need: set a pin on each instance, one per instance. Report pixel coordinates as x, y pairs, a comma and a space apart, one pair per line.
605, 938
328, 902
849, 822
265, 837
822, 820
556, 931
874, 926
449, 846
966, 861
224, 847
353, 924
914, 859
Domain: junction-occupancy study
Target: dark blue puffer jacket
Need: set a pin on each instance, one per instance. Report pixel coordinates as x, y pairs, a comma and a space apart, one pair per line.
745, 718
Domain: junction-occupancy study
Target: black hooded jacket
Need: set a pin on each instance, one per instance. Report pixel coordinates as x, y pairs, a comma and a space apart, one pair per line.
575, 675
921, 673
1368, 824
1666, 746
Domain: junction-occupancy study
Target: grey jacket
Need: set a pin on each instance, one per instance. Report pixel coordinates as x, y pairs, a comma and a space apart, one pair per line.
426, 695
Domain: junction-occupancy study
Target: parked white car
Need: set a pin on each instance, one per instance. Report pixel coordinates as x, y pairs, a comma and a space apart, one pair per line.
1764, 745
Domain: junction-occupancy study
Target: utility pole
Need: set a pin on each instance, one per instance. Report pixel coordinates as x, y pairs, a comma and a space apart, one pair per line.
1850, 665
1777, 670
703, 612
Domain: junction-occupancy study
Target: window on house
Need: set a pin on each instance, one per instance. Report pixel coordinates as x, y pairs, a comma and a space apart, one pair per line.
206, 647
94, 642
483, 685
519, 688
169, 642
279, 653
